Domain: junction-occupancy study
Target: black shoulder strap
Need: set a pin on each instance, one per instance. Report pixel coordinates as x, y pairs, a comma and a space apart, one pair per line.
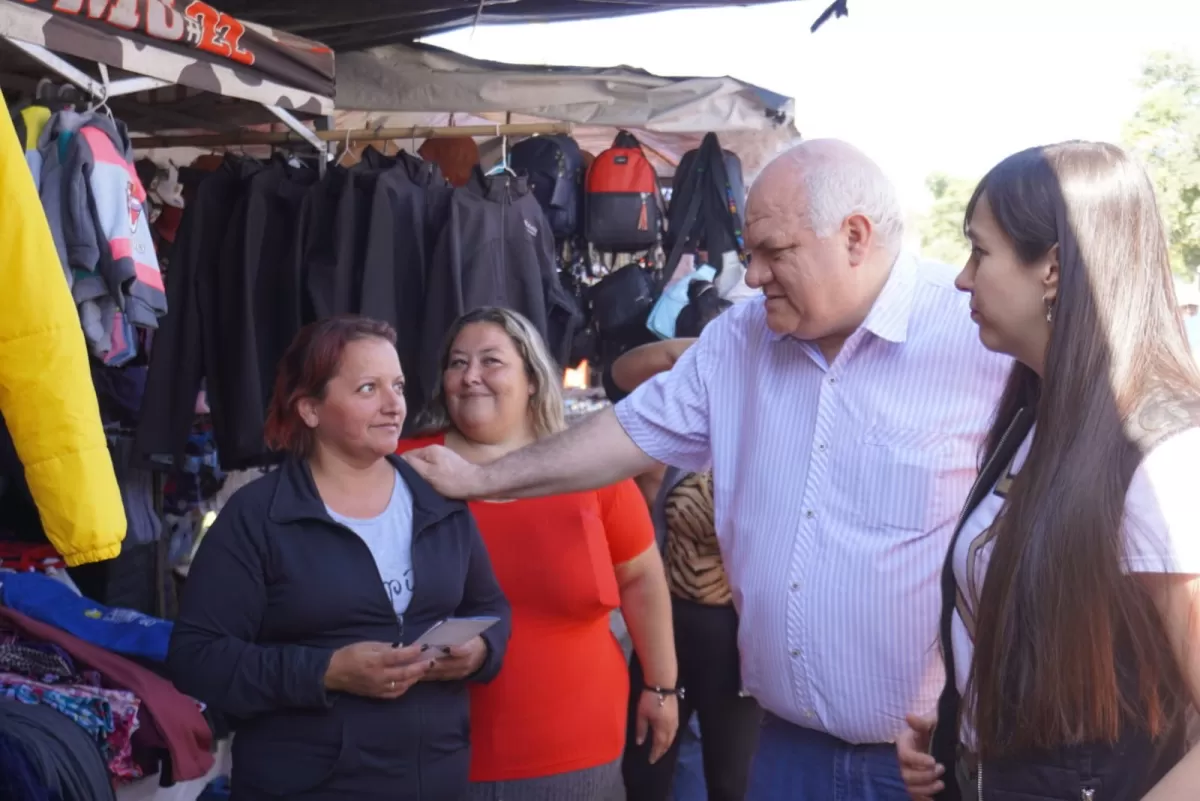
945, 735
703, 161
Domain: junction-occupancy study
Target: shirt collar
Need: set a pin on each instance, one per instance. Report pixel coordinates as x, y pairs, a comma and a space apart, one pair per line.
296, 497
889, 316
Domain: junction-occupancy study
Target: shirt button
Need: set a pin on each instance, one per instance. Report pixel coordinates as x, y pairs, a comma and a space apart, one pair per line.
832, 380
795, 585
810, 514
795, 652
821, 447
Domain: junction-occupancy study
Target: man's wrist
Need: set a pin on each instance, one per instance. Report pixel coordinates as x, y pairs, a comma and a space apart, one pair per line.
482, 483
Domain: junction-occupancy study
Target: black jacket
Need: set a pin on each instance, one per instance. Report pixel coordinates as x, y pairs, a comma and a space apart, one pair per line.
275, 588
1124, 771
409, 205
496, 250
259, 311
237, 292
187, 345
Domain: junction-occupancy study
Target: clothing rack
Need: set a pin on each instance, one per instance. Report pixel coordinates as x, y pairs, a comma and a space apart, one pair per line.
351, 135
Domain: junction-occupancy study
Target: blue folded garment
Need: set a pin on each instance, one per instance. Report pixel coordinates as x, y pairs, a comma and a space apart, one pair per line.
122, 631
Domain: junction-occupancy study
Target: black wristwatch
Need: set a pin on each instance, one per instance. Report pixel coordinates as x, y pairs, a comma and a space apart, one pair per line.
664, 693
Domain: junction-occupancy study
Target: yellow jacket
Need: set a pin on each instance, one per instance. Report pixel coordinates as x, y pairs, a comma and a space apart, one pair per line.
46, 392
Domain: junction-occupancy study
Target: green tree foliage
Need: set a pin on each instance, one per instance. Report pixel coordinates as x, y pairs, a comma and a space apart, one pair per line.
941, 226
1164, 133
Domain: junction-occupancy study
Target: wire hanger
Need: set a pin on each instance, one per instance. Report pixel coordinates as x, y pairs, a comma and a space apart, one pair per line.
345, 150
101, 103
503, 167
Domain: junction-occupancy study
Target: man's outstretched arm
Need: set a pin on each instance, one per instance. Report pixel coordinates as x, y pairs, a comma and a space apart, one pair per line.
594, 453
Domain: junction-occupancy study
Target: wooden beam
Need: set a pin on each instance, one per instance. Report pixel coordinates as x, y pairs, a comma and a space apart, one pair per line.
352, 135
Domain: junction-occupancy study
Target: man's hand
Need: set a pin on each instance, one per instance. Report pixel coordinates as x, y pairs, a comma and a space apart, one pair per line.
921, 773
450, 474
459, 662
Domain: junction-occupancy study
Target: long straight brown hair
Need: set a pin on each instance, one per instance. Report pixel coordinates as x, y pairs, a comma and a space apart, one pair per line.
1069, 647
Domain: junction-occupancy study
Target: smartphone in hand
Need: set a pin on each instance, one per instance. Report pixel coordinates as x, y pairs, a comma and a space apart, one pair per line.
455, 631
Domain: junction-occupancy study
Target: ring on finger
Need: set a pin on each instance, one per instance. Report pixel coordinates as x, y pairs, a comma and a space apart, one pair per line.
392, 685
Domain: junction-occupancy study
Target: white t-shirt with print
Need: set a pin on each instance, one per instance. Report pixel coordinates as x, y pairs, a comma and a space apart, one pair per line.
389, 537
1161, 528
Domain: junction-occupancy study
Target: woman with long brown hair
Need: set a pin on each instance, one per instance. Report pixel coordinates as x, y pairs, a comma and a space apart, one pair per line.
1069, 623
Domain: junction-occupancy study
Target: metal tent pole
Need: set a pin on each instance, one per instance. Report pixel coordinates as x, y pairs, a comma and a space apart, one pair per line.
303, 131
63, 68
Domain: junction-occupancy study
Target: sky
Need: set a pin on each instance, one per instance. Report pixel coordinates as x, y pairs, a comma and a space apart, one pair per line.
920, 85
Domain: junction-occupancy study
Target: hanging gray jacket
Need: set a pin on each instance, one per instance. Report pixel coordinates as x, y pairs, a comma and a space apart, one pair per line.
96, 207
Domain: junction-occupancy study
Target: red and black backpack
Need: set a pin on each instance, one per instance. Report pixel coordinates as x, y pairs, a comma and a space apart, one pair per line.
623, 207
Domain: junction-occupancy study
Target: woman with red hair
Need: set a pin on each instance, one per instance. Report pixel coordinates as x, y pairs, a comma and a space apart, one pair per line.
305, 598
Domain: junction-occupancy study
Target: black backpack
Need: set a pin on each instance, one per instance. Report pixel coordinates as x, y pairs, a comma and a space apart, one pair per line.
554, 168
707, 182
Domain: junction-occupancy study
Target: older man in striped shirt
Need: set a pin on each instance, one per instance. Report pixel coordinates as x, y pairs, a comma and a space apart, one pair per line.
842, 414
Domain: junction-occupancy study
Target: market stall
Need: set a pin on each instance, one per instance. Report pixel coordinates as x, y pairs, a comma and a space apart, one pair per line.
249, 204
84, 531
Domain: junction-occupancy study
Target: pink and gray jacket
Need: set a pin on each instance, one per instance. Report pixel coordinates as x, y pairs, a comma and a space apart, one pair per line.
97, 210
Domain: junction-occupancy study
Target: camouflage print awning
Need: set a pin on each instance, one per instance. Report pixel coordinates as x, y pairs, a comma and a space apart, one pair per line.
188, 43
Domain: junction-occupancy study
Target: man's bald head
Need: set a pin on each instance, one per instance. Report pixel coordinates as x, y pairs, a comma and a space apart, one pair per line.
832, 180
823, 226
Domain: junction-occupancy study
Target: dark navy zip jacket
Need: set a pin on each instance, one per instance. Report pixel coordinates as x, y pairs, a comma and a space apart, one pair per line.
275, 588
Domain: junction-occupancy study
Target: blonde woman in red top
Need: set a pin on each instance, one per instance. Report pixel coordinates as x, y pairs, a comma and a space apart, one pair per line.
552, 725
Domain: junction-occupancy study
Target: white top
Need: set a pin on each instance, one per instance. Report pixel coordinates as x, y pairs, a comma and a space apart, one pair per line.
389, 536
1162, 533
837, 487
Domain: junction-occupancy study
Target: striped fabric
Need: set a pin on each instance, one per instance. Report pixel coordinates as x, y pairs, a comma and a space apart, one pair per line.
836, 490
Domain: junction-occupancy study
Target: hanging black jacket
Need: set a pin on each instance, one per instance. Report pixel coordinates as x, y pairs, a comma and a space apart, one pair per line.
275, 588
334, 223
409, 209
187, 345
259, 310
496, 250
316, 249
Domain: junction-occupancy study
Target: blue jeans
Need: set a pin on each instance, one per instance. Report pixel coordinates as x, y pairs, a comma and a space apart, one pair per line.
797, 764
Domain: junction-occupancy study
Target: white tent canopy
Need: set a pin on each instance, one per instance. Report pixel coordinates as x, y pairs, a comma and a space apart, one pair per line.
422, 78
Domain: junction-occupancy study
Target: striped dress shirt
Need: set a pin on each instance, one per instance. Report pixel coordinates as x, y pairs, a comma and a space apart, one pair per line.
837, 487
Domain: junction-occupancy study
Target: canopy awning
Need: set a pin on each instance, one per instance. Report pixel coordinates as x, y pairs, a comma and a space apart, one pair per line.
421, 78
358, 24
190, 44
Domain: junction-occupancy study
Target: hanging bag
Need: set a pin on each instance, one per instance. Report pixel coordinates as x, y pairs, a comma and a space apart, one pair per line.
554, 168
622, 201
707, 205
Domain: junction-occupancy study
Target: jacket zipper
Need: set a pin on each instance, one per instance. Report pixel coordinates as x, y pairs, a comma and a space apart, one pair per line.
962, 518
979, 782
1087, 795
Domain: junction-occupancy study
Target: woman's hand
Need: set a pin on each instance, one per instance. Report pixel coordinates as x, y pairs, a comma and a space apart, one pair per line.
921, 773
376, 669
658, 715
459, 662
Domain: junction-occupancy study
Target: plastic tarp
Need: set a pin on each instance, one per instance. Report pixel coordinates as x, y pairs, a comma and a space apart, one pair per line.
423, 78
184, 42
